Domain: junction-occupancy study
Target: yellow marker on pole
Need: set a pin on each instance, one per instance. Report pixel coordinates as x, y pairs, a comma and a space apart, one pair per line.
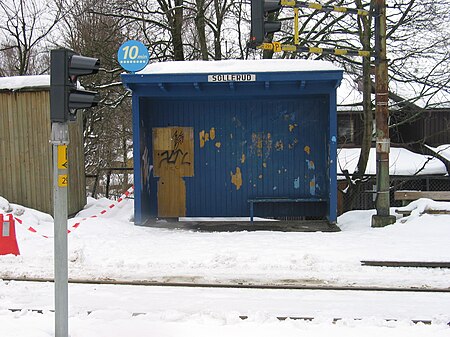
63, 161
296, 33
63, 180
315, 50
276, 47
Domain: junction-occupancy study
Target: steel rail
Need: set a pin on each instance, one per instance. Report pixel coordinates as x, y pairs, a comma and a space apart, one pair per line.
406, 264
244, 317
235, 285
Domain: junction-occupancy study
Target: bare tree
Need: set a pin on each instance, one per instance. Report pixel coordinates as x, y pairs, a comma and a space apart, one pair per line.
107, 128
25, 28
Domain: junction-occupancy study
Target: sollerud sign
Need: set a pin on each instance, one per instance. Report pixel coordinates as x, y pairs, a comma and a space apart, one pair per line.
232, 78
133, 56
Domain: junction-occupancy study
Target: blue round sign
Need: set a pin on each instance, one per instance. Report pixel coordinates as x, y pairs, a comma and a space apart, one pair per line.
133, 56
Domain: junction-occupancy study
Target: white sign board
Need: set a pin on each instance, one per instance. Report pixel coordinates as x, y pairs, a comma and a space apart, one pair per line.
232, 78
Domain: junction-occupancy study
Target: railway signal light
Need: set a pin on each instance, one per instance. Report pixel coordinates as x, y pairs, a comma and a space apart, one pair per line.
65, 95
259, 26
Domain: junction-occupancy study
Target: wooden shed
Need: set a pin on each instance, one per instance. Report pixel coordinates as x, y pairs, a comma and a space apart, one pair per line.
26, 167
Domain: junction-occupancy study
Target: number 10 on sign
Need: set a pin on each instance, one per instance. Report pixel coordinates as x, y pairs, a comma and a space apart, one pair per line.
133, 56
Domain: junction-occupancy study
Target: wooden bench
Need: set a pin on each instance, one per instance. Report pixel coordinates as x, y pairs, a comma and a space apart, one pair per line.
279, 200
406, 196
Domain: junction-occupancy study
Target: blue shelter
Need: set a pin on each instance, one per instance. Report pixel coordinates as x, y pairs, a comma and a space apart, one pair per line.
235, 139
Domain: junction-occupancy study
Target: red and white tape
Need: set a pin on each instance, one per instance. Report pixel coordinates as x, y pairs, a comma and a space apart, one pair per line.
77, 224
31, 229
122, 197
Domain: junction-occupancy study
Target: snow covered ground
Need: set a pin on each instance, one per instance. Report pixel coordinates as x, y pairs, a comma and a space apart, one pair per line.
110, 246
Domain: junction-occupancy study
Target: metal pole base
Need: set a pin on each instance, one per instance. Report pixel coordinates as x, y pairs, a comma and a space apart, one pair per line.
383, 220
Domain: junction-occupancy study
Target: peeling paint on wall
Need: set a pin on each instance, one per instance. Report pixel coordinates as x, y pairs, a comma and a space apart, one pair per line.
312, 186
292, 127
236, 178
201, 136
243, 158
294, 142
261, 144
264, 164
257, 143
297, 183
218, 145
279, 146
206, 136
307, 149
311, 165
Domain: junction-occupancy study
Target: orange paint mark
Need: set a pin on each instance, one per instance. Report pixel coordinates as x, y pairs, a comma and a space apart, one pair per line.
205, 136
279, 146
264, 164
201, 136
243, 159
236, 178
218, 145
294, 142
212, 133
292, 127
307, 149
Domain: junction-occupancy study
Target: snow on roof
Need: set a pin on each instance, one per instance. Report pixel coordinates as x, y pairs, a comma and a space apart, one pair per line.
402, 162
24, 82
238, 66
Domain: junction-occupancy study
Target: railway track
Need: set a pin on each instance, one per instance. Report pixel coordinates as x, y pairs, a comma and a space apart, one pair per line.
333, 320
244, 317
150, 283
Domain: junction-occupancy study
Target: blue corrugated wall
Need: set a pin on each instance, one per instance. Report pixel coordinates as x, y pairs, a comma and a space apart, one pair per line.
245, 148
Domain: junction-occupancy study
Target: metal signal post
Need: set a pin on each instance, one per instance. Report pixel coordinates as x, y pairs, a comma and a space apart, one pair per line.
60, 140
65, 99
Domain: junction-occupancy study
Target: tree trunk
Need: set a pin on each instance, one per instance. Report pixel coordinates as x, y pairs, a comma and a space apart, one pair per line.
357, 177
200, 25
177, 31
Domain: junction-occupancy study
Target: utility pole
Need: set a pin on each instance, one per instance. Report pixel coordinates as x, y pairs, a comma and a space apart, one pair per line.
383, 217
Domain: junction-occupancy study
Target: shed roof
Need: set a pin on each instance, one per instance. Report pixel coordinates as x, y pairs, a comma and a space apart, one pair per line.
25, 82
233, 78
238, 66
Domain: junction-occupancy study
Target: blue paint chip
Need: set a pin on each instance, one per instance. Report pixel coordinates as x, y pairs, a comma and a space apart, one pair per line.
297, 183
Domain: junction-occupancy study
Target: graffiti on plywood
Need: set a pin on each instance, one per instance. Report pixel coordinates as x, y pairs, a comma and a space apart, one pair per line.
173, 158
